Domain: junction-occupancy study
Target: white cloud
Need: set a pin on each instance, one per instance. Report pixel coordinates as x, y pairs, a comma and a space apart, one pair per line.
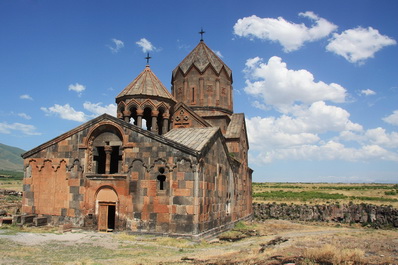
308, 126
146, 45
290, 35
378, 136
24, 115
392, 119
66, 112
25, 96
281, 87
118, 44
97, 109
218, 53
358, 44
77, 88
368, 92
27, 129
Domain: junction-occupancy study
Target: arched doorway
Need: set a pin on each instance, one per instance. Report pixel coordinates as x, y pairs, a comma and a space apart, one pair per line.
107, 209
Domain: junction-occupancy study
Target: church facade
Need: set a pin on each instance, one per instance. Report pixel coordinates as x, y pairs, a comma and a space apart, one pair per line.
168, 163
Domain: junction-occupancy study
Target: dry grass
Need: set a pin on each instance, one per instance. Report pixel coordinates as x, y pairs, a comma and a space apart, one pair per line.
330, 254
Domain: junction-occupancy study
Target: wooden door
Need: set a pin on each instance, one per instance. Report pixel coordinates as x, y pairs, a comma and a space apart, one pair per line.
103, 217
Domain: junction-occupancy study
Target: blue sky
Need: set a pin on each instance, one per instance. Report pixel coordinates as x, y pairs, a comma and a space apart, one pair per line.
317, 80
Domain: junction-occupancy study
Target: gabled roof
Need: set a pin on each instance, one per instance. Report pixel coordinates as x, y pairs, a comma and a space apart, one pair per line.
234, 129
190, 140
194, 115
194, 138
129, 126
201, 57
146, 84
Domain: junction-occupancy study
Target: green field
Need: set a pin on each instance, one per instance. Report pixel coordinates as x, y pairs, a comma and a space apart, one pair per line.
321, 193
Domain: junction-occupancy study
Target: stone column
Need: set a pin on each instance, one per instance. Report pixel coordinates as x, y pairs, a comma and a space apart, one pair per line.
140, 112
108, 152
165, 127
154, 126
126, 115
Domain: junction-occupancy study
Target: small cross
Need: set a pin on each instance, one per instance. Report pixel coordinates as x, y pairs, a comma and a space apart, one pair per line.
147, 58
201, 34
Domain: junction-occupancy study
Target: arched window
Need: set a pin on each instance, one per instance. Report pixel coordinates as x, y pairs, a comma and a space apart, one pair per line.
107, 152
160, 121
133, 114
147, 117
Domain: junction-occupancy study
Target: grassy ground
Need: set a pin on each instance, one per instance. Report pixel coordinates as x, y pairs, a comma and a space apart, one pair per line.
271, 242
11, 180
321, 193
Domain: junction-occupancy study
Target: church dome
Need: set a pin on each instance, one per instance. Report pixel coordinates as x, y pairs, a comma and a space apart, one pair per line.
202, 57
144, 85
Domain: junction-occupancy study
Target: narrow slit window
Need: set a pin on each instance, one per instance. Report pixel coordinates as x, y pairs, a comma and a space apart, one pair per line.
161, 179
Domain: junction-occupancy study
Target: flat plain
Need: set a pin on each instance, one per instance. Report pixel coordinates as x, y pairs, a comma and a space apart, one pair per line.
324, 193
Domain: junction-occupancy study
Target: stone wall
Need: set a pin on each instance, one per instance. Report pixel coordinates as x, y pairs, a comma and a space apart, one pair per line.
365, 214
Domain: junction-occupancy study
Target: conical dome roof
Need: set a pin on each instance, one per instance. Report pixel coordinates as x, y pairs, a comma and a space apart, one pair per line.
146, 84
201, 57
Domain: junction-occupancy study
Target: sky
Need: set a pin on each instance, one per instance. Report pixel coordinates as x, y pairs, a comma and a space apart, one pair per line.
317, 80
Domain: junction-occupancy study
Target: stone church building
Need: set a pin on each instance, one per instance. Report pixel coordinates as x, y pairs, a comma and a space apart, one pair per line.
170, 164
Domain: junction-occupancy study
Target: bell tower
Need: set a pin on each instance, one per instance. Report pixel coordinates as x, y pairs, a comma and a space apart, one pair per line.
203, 82
146, 102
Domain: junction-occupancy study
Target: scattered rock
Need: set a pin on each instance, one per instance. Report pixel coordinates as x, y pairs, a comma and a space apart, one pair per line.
276, 241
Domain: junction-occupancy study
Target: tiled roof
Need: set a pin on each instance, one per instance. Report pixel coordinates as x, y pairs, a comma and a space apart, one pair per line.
201, 56
146, 84
235, 126
194, 138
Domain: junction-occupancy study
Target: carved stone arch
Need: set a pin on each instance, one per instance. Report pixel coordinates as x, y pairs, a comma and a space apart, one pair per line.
147, 115
101, 127
133, 103
40, 167
151, 167
182, 161
28, 168
75, 169
63, 161
131, 165
75, 164
106, 187
163, 106
148, 103
121, 107
104, 144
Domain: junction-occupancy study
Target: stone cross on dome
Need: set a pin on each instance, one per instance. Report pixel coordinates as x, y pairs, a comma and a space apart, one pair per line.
201, 32
147, 58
